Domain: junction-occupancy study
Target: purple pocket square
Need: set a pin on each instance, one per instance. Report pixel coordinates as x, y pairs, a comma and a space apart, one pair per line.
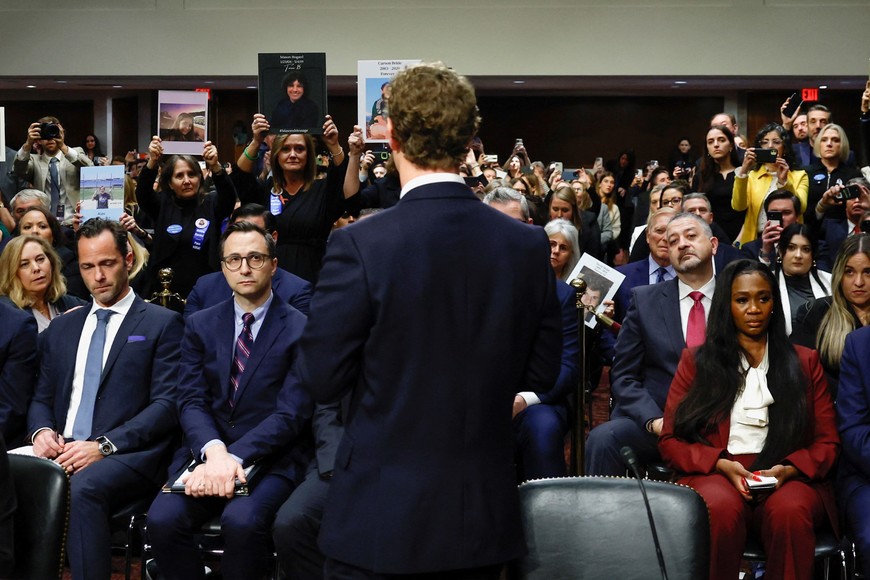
136, 338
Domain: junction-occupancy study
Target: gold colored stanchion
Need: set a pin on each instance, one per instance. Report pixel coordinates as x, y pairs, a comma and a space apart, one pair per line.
578, 446
166, 296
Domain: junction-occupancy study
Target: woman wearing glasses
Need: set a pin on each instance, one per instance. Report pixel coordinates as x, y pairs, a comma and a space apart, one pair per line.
757, 178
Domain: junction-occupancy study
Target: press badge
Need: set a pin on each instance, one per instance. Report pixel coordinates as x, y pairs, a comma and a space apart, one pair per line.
199, 235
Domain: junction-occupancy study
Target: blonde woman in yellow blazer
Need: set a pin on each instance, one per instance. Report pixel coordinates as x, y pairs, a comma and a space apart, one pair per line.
753, 182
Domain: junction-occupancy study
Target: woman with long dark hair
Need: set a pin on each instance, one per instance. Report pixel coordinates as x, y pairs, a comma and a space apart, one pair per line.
716, 178
796, 273
745, 405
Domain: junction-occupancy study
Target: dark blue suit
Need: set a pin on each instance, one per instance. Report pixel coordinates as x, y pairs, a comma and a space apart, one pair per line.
18, 367
267, 424
636, 274
135, 410
834, 233
212, 289
853, 417
540, 429
647, 353
435, 312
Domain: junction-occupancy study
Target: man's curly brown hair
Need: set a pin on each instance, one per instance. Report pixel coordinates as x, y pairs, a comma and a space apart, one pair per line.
434, 115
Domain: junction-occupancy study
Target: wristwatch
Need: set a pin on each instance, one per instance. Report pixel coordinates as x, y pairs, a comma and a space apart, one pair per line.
106, 447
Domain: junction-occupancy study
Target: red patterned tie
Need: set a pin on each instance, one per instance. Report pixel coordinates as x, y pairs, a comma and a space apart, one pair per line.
697, 327
244, 344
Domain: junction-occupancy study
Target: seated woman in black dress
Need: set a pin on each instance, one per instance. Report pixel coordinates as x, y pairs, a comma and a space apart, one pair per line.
796, 273
186, 218
304, 207
748, 404
824, 323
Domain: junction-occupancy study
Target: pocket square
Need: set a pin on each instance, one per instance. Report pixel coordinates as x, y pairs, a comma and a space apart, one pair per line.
136, 338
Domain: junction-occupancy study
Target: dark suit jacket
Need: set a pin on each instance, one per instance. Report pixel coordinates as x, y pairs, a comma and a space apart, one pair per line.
834, 233
18, 368
436, 312
271, 410
647, 352
568, 372
853, 406
636, 274
815, 459
212, 289
135, 406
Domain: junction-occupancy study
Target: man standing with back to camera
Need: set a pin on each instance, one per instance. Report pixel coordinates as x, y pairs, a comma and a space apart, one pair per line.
434, 313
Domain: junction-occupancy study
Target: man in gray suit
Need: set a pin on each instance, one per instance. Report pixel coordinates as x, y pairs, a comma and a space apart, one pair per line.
55, 170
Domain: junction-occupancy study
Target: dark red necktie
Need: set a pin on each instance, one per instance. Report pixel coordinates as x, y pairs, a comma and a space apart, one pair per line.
244, 344
697, 327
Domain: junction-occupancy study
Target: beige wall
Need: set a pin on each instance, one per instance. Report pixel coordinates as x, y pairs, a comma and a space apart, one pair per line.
477, 37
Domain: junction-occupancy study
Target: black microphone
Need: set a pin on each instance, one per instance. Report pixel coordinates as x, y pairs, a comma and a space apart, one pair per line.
631, 461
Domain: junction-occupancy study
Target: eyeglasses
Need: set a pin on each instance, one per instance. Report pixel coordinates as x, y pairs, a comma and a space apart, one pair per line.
255, 261
672, 202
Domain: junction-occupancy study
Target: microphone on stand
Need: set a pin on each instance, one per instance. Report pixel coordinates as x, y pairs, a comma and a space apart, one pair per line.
630, 460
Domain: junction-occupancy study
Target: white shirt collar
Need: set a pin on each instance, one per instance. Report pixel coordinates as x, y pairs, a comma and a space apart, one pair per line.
706, 289
121, 307
429, 178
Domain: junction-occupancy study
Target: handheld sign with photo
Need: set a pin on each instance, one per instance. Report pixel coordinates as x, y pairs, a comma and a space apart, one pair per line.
373, 85
602, 282
102, 192
292, 91
182, 121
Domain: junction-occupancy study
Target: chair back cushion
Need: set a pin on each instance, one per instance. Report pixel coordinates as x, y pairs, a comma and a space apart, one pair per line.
597, 527
42, 490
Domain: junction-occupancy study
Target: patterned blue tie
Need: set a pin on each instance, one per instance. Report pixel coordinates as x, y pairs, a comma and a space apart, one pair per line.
660, 275
54, 182
244, 345
93, 370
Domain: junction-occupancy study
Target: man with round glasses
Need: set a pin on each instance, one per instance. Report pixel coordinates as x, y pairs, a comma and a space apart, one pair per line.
240, 406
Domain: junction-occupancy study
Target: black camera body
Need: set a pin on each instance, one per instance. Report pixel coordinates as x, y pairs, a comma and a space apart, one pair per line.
765, 155
849, 192
49, 131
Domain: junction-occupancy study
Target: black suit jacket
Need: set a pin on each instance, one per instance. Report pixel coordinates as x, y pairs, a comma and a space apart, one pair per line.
18, 367
435, 312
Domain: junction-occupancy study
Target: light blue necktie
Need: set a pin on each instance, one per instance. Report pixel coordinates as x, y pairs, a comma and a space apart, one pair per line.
55, 184
93, 370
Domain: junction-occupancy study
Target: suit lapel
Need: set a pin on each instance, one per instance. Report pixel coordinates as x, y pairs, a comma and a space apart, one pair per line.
669, 308
224, 348
273, 325
130, 322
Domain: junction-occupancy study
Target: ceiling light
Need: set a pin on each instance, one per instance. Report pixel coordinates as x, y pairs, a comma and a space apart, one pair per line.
31, 86
117, 86
60, 82
823, 86
679, 82
251, 87
208, 82
519, 82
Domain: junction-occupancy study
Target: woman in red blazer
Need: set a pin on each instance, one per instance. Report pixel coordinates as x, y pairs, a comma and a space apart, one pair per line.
745, 405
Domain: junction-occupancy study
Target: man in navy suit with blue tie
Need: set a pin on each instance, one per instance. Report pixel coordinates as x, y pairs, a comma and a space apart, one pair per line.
240, 405
213, 288
104, 406
434, 314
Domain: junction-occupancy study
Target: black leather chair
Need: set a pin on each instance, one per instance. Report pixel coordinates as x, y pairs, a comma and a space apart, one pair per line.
597, 527
827, 546
41, 518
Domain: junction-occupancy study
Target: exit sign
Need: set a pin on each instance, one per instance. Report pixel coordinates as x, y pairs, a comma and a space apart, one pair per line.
810, 94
